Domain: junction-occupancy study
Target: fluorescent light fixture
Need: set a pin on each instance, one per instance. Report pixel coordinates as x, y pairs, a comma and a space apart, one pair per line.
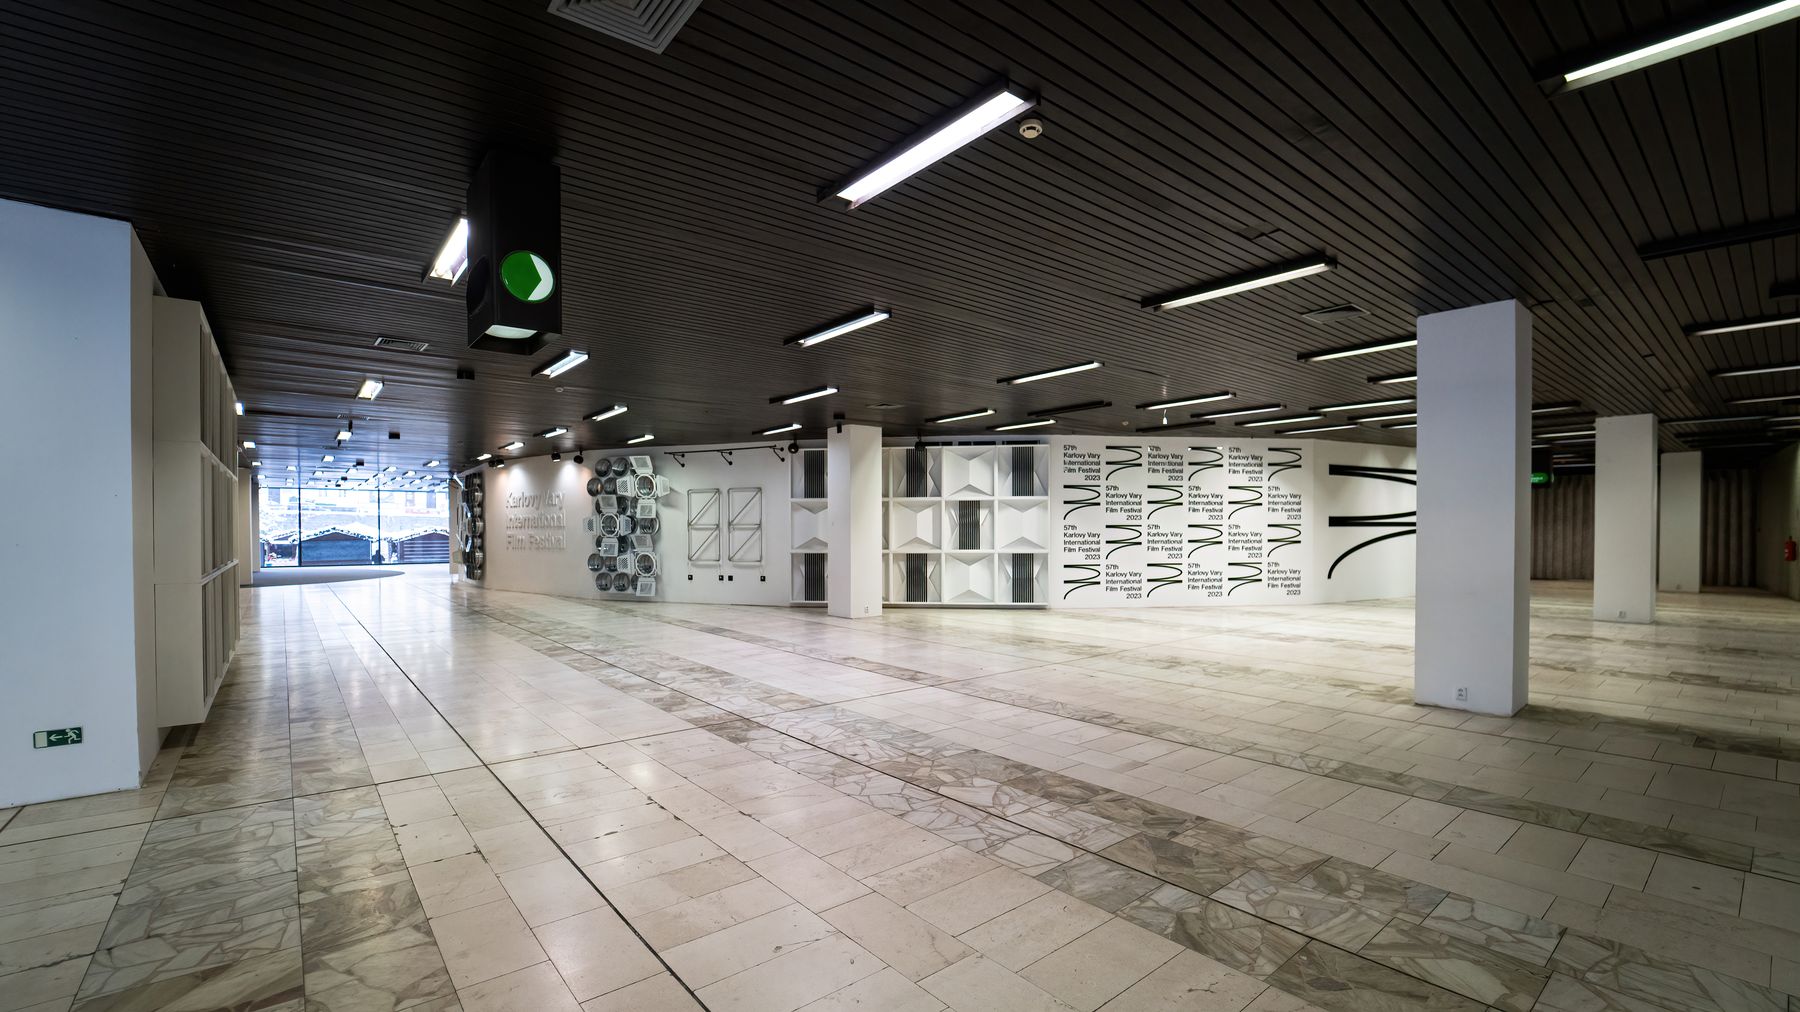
1730, 328
1755, 370
239, 405
1241, 283
290, 467
483, 456
1280, 421
1322, 428
1360, 405
1399, 377
1679, 45
1555, 409
1033, 377
840, 329
432, 463
777, 430
1714, 419
1175, 425
552, 432
453, 257
256, 463
1402, 425
556, 367
804, 395
1391, 344
1183, 402
1069, 409
1259, 409
616, 409
1008, 427
318, 474
1587, 440
344, 435
1560, 435
1386, 418
963, 417
645, 438
407, 474
514, 445
249, 444
370, 389
1765, 400
390, 467
977, 118
326, 459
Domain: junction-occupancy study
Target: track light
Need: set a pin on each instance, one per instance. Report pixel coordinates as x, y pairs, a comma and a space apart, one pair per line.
1176, 425
1033, 377
1280, 421
645, 438
1362, 405
616, 409
1185, 401
556, 367
1370, 348
1241, 283
552, 432
1755, 370
453, 256
578, 457
556, 455
963, 417
804, 395
861, 320
370, 389
777, 430
976, 118
1728, 328
1259, 409
1679, 45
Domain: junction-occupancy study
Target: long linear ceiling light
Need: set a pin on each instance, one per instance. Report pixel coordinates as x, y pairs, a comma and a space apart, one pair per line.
1385, 418
1562, 435
1033, 377
514, 445
974, 119
1715, 419
1360, 405
1223, 395
1280, 421
601, 416
1255, 409
1069, 409
779, 429
961, 417
804, 395
1755, 370
556, 367
645, 438
1679, 45
1701, 329
1390, 344
1008, 427
1241, 283
453, 256
1765, 400
1176, 425
552, 432
1555, 409
1322, 428
1399, 377
873, 315
1401, 425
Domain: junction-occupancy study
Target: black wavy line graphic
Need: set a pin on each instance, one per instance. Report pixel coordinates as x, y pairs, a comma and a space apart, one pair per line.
1292, 538
1173, 498
1372, 541
1376, 520
1218, 460
1244, 504
1379, 473
1093, 498
1135, 460
1090, 580
1245, 580
1159, 582
1278, 466
1218, 537
1131, 540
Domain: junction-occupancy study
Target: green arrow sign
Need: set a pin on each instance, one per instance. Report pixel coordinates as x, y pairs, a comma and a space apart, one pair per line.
55, 737
526, 276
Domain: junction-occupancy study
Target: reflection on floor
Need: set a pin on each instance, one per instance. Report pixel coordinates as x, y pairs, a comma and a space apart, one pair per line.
288, 576
417, 795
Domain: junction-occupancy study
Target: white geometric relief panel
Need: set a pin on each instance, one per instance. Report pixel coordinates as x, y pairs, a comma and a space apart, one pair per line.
810, 533
968, 471
915, 525
1022, 527
968, 579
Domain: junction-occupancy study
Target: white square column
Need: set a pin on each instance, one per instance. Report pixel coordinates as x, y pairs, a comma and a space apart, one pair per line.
1678, 524
1472, 616
853, 512
1625, 519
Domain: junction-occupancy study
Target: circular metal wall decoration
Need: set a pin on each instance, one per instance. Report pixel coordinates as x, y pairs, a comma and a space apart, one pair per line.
475, 574
621, 582
644, 564
626, 524
595, 563
480, 526
608, 485
594, 486
602, 582
609, 525
618, 465
465, 527
476, 496
477, 557
648, 525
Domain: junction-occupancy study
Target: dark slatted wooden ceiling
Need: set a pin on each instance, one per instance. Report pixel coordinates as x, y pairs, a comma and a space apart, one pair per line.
294, 165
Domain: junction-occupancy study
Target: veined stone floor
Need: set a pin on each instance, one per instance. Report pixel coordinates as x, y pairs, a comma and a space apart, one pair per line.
414, 794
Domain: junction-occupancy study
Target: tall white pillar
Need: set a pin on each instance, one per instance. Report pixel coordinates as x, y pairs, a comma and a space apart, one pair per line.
1678, 524
1473, 616
1625, 519
853, 485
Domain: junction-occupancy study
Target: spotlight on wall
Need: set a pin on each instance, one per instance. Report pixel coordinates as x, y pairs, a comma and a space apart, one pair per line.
793, 447
919, 445
578, 457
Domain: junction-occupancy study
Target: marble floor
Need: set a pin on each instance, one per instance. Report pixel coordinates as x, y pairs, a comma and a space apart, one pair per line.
414, 794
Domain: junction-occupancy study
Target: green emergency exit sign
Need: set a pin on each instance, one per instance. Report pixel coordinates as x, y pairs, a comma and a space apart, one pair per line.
55, 737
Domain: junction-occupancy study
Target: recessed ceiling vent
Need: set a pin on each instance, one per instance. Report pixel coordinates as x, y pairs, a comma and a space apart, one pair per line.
400, 344
1335, 314
647, 24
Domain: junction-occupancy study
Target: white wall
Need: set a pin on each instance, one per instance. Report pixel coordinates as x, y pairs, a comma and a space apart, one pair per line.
1678, 523
1625, 519
563, 571
74, 532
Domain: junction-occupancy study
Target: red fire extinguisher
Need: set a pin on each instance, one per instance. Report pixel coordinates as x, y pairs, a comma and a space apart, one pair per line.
1787, 549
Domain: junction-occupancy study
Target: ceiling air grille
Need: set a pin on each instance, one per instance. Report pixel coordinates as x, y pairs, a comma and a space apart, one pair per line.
400, 344
649, 24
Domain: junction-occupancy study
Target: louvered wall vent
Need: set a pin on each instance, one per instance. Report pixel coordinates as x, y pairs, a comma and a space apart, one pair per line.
400, 344
648, 24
